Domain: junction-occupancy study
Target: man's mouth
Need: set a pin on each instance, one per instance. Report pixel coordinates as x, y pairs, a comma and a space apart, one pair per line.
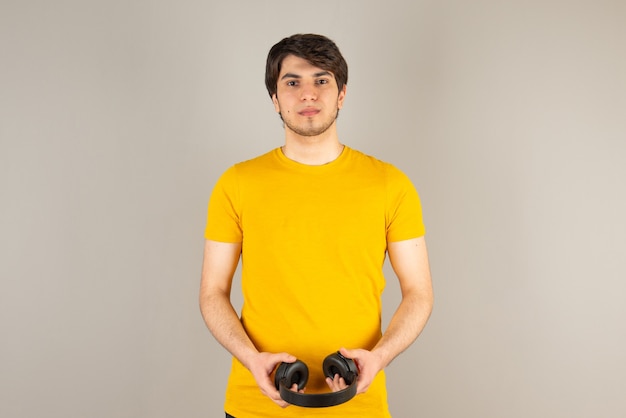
309, 111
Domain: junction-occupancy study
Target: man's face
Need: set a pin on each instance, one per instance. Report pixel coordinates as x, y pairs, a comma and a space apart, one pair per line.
307, 97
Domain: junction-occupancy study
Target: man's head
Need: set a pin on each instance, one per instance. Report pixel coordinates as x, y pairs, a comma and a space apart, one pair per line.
316, 49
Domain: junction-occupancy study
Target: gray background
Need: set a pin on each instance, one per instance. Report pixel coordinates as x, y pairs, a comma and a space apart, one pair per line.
116, 118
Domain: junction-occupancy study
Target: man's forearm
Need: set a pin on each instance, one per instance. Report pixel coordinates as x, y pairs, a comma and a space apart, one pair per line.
223, 322
405, 326
225, 325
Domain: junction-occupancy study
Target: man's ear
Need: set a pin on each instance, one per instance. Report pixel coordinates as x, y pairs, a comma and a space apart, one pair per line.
342, 96
276, 104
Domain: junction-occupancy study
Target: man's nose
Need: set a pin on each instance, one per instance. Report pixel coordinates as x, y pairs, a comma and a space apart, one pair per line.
307, 92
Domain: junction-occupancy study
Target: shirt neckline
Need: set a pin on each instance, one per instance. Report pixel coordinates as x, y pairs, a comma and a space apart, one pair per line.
331, 165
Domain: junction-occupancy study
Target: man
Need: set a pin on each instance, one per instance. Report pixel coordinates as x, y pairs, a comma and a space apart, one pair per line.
312, 221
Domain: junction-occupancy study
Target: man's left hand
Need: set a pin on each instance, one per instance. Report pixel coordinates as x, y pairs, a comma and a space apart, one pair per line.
368, 363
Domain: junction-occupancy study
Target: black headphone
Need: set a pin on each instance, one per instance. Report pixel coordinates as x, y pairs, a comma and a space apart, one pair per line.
289, 373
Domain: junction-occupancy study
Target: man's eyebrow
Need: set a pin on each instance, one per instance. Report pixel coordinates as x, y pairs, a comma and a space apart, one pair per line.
290, 75
319, 74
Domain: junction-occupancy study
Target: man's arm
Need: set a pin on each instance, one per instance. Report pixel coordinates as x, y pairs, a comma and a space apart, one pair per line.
409, 260
219, 265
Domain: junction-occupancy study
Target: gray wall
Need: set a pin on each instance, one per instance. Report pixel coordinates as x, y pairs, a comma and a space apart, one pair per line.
117, 117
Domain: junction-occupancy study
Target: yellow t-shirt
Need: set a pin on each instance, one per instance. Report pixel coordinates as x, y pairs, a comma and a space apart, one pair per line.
314, 241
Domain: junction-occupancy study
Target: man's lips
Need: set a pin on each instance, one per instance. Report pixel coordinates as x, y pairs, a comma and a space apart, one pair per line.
309, 111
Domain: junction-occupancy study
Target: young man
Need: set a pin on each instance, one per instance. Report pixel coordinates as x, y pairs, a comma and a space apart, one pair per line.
313, 222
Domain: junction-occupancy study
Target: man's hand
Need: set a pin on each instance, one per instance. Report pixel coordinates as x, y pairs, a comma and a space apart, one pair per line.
261, 366
368, 363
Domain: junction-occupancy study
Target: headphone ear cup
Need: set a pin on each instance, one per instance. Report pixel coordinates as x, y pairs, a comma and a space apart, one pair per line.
335, 363
290, 373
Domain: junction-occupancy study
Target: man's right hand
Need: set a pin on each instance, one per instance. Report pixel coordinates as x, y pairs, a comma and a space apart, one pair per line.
261, 366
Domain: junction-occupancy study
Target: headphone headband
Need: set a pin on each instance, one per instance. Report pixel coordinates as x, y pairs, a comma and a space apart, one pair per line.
317, 400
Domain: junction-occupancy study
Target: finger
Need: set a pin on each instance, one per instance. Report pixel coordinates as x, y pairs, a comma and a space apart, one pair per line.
348, 353
270, 391
362, 386
283, 358
275, 359
354, 355
278, 400
294, 388
274, 395
336, 383
331, 384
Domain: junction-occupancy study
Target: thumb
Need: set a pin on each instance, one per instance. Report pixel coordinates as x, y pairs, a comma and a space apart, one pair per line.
352, 354
284, 358
349, 353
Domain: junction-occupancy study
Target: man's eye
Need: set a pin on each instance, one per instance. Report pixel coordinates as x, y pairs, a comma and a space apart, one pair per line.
292, 83
322, 81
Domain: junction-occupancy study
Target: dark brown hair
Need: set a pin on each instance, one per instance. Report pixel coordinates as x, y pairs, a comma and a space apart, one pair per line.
318, 50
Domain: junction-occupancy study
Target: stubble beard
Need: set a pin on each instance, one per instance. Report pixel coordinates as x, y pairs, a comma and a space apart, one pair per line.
309, 128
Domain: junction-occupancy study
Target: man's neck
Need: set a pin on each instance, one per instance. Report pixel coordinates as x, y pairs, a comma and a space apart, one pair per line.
312, 150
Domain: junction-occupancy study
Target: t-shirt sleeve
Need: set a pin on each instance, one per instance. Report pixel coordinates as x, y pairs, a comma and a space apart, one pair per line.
224, 210
404, 208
